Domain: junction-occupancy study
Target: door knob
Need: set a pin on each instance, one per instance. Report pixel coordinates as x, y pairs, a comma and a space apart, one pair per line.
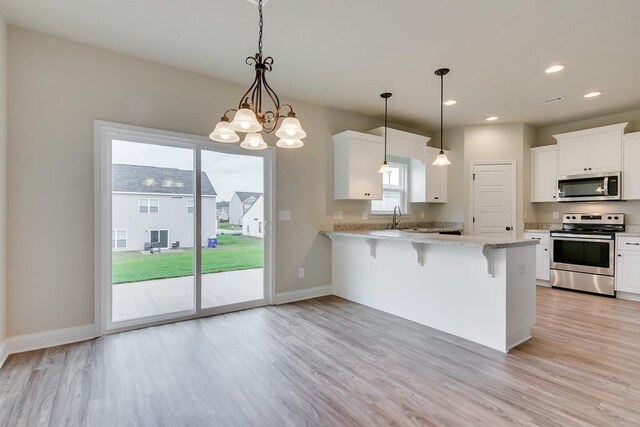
508, 228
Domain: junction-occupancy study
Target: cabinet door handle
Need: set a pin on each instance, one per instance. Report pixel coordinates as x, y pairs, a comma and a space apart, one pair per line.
536, 238
437, 198
546, 249
632, 244
619, 255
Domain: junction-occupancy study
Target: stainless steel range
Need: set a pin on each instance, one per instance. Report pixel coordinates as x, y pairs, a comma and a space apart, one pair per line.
583, 252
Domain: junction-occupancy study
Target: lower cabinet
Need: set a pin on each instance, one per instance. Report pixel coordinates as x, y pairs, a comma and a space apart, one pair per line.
628, 265
542, 254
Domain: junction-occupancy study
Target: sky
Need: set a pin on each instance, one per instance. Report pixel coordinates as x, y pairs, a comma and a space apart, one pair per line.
228, 172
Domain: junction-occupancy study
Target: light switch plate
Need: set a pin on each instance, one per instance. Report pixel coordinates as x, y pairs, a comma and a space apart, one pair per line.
556, 215
301, 273
284, 215
422, 215
365, 215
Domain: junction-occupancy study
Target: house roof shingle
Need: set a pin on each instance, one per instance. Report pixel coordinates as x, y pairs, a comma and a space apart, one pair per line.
150, 179
244, 195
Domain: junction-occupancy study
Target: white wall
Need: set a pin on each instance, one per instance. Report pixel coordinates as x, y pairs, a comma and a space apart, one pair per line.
253, 219
3, 180
56, 89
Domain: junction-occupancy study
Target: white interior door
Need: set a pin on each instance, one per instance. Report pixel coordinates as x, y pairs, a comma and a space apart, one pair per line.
493, 200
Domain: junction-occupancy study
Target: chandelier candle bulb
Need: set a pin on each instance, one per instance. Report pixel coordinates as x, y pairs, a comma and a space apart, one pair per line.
224, 133
289, 143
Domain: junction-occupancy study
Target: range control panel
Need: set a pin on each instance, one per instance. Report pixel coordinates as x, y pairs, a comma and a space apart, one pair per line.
595, 219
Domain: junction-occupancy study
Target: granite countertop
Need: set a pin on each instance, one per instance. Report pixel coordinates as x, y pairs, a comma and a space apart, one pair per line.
629, 234
433, 239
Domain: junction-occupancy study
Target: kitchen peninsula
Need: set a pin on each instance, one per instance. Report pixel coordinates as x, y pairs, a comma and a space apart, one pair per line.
477, 288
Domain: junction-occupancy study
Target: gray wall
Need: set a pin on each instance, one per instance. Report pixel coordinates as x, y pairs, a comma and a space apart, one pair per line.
172, 215
3, 180
56, 89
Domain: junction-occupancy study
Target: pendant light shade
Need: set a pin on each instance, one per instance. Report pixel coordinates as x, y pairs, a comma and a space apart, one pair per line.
224, 133
442, 159
385, 167
254, 141
291, 128
289, 143
245, 121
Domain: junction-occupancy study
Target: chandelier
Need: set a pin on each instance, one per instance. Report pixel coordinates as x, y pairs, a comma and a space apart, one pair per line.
250, 118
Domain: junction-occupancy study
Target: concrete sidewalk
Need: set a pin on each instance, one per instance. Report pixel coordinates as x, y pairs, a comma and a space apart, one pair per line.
154, 297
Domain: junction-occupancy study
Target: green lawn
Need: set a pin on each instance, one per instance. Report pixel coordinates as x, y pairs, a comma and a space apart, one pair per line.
227, 226
232, 253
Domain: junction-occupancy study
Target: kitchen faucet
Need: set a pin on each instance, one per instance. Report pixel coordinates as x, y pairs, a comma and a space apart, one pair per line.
397, 214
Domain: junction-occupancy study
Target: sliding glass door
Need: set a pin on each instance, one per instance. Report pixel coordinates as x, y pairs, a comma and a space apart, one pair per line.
183, 226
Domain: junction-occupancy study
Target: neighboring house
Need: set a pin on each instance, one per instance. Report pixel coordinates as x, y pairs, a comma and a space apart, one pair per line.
152, 204
240, 202
253, 219
223, 214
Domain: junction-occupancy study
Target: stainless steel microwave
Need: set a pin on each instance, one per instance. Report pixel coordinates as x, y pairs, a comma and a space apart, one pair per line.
590, 187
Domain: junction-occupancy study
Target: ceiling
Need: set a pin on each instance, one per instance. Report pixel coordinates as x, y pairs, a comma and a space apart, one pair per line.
343, 54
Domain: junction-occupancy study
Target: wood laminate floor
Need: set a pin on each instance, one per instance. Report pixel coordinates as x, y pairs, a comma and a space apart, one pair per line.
331, 362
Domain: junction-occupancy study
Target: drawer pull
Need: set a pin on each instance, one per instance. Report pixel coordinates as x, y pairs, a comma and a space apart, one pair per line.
536, 238
632, 243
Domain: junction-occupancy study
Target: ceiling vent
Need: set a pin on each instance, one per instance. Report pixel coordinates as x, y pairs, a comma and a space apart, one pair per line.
551, 100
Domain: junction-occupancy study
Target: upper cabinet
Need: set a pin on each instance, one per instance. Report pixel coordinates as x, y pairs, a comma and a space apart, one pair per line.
631, 171
357, 158
428, 183
544, 184
591, 150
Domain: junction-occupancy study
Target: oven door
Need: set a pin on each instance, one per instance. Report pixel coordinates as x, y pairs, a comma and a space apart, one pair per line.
583, 254
589, 187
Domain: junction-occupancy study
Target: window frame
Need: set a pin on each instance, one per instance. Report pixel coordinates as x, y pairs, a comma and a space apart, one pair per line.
192, 207
388, 189
114, 239
148, 205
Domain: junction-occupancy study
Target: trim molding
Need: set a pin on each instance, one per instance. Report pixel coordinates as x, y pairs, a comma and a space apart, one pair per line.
21, 343
3, 352
302, 294
628, 296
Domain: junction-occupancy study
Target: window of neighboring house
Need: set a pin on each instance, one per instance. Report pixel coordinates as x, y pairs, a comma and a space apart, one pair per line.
119, 239
394, 190
148, 205
190, 208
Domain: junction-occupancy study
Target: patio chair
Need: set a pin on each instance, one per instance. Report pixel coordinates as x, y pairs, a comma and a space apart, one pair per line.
176, 245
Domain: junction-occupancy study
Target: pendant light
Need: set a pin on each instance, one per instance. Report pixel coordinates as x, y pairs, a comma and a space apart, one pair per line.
251, 118
442, 159
385, 166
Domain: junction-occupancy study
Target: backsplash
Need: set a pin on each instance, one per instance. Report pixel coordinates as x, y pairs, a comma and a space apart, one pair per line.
402, 225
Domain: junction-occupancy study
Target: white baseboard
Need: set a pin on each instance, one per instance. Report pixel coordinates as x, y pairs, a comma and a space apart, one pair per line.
302, 294
21, 343
628, 296
3, 352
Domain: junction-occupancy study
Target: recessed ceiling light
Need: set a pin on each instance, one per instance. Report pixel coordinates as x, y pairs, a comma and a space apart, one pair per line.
492, 118
554, 69
450, 102
593, 94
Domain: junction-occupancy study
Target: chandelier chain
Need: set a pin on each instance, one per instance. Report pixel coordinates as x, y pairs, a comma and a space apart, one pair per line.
261, 25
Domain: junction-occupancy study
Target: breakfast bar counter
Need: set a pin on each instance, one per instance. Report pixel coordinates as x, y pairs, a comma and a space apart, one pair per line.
480, 289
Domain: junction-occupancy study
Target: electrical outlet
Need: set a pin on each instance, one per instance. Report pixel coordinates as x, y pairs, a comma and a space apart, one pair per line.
365, 215
301, 273
422, 215
339, 215
556, 215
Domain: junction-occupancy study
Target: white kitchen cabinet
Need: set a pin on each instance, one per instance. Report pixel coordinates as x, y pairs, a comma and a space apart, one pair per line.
590, 150
543, 262
628, 265
428, 183
630, 169
544, 174
357, 158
